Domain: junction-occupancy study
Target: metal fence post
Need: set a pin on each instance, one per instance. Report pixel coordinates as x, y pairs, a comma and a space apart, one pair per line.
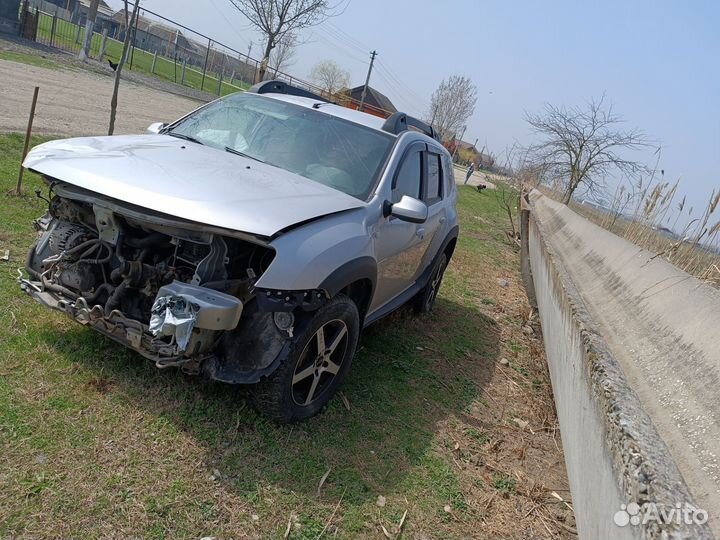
52, 29
152, 68
221, 73
182, 73
207, 54
77, 34
103, 44
37, 23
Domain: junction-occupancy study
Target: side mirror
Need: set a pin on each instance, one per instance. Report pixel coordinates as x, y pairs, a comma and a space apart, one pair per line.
155, 128
409, 209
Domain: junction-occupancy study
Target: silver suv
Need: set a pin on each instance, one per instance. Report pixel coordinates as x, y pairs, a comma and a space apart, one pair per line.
251, 241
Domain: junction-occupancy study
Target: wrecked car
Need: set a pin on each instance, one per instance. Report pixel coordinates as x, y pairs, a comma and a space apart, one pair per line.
250, 241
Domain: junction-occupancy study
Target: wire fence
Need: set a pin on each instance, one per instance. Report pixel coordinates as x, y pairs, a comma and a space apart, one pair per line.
162, 48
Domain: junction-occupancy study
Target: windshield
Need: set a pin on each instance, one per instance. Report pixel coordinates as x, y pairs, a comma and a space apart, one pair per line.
329, 150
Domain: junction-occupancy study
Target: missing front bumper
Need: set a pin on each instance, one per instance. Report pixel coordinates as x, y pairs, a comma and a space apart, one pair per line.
215, 312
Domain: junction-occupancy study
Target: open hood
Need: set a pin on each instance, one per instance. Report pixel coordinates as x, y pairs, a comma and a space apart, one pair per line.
189, 181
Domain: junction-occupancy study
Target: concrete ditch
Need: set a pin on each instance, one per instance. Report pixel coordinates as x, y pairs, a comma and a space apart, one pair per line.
634, 357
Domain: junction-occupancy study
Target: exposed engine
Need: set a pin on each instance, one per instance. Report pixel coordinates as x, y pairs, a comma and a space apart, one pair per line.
108, 268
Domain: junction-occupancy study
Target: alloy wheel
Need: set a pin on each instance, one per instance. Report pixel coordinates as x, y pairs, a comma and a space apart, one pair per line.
319, 362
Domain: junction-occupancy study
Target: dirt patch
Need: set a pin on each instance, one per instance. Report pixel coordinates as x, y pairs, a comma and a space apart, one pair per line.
77, 102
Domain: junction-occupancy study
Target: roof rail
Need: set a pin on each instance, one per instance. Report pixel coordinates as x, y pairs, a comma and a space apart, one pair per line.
280, 87
399, 122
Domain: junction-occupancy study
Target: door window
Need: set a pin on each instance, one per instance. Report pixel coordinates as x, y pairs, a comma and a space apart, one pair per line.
449, 175
433, 189
407, 181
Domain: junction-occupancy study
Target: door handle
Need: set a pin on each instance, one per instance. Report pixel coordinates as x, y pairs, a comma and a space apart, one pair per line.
420, 232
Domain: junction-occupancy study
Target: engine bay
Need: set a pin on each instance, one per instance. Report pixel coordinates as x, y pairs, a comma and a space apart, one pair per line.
167, 291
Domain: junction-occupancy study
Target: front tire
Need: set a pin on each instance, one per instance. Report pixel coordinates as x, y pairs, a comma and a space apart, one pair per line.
317, 363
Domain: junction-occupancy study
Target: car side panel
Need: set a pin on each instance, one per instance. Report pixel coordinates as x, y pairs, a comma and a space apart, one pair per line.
307, 255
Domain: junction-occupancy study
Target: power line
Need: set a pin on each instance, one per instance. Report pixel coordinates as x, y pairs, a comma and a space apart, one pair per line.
338, 37
388, 72
338, 30
402, 96
327, 37
230, 25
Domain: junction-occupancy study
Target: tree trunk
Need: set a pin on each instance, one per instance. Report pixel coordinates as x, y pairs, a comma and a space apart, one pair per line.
89, 29
265, 60
121, 63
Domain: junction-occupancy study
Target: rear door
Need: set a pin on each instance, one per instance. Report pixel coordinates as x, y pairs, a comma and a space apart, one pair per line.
433, 194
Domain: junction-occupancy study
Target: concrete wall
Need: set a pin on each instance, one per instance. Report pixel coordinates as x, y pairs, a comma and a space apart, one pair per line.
613, 450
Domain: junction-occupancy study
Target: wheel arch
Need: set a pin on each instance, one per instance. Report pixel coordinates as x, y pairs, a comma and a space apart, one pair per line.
356, 279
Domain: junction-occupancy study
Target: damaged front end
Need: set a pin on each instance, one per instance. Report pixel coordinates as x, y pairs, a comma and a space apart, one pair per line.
179, 293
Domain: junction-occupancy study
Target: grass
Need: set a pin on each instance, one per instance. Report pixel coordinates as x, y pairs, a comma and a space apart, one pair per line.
31, 59
97, 442
69, 36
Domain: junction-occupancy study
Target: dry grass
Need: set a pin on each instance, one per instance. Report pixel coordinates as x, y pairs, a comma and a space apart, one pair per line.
654, 206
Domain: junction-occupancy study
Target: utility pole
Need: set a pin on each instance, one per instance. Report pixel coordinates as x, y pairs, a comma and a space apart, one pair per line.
367, 80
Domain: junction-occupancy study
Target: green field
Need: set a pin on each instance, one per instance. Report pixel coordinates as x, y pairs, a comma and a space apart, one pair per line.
97, 442
69, 36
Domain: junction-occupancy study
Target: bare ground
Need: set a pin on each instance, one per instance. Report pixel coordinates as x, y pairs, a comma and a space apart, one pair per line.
76, 102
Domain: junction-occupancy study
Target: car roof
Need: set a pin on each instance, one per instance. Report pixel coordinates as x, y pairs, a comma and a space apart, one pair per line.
332, 109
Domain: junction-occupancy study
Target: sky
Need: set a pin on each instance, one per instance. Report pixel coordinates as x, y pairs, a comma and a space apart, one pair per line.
657, 63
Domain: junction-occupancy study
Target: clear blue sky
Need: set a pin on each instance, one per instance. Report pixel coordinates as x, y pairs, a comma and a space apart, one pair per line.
658, 62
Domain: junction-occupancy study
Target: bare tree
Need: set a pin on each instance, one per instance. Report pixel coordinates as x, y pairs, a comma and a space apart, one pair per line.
452, 103
582, 146
330, 76
283, 54
129, 24
275, 19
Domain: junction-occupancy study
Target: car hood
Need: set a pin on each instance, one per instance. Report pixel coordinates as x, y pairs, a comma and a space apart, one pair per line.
189, 181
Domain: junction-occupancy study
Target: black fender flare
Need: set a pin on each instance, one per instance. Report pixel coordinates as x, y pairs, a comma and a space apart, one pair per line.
350, 272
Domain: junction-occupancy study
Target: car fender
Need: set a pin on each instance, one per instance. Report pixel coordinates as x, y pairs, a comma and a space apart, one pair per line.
317, 255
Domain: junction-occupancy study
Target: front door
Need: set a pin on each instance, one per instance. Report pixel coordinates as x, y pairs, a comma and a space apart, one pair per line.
400, 245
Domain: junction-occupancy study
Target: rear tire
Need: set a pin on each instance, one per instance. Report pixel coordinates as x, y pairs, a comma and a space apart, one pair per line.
318, 361
425, 298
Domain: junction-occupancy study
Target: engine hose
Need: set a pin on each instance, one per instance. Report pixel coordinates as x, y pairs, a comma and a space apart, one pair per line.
28, 261
90, 251
100, 260
92, 297
115, 297
58, 288
81, 247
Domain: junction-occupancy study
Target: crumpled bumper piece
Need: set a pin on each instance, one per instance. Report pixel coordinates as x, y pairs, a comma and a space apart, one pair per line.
174, 316
179, 307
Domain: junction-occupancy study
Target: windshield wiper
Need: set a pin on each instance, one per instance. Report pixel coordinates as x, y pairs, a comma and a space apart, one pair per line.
243, 154
184, 137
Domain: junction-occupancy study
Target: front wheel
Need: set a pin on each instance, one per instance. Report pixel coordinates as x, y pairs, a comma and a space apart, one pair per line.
425, 299
317, 363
